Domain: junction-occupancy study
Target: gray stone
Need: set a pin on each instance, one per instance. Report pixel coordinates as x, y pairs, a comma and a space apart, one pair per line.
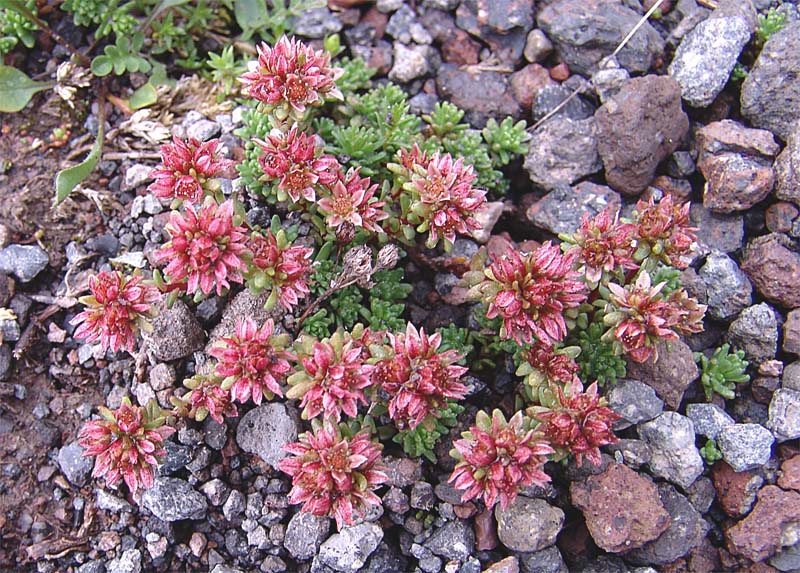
672, 443
96, 566
215, 434
178, 457
550, 97
545, 561
708, 419
745, 446
502, 16
787, 169
686, 530
728, 289
528, 524
632, 453
791, 376
136, 175
76, 468
304, 534
388, 6
716, 231
454, 540
410, 62
481, 94
317, 23
266, 429
608, 81
769, 99
173, 499
586, 31
129, 562
5, 361
755, 332
176, 332
9, 330
216, 491
23, 261
561, 152
135, 259
233, 508
537, 46
784, 415
705, 58
788, 559
422, 496
109, 502
348, 550
635, 401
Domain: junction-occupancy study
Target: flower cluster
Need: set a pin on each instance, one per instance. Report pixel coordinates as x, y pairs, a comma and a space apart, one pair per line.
189, 170
334, 475
278, 265
253, 362
117, 309
418, 378
128, 444
205, 250
496, 458
352, 201
205, 397
602, 245
291, 76
663, 232
542, 364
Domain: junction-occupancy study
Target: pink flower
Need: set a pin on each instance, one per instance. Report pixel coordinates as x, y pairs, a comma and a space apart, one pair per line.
205, 398
334, 476
253, 362
352, 201
128, 443
205, 249
448, 200
531, 293
580, 423
663, 231
279, 266
188, 167
291, 158
602, 245
418, 379
685, 313
332, 378
116, 310
291, 76
553, 366
497, 458
639, 317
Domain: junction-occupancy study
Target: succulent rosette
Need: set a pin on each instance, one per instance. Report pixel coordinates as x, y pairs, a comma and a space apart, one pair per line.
351, 199
663, 232
205, 397
280, 267
602, 245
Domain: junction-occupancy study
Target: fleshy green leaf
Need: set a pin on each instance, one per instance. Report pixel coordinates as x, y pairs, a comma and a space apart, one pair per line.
102, 66
143, 97
68, 179
17, 89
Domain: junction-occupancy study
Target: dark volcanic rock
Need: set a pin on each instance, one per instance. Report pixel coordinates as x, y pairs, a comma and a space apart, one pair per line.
176, 332
480, 94
561, 210
561, 152
787, 169
774, 270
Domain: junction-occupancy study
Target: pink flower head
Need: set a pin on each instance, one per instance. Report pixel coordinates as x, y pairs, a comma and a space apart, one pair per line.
291, 76
205, 398
580, 423
639, 317
602, 245
334, 476
115, 311
253, 362
685, 313
554, 367
352, 200
292, 159
497, 458
418, 379
448, 199
663, 231
188, 168
279, 266
205, 249
128, 443
531, 293
331, 378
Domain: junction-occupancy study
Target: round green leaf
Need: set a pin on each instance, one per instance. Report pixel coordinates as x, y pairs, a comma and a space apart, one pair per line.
17, 89
102, 66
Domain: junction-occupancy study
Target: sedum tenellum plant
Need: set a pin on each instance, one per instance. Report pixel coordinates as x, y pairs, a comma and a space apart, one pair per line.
358, 385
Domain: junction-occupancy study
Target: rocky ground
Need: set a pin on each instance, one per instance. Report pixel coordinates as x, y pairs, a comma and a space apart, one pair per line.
662, 117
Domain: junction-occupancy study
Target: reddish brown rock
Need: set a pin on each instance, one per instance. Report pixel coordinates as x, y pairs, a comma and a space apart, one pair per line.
780, 217
622, 508
774, 269
736, 492
527, 82
791, 332
376, 20
638, 128
560, 72
787, 169
670, 375
758, 536
486, 531
460, 49
507, 565
680, 189
789, 476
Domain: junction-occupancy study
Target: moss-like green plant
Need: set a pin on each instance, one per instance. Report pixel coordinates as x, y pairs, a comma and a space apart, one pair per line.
710, 452
456, 338
722, 371
420, 441
670, 276
597, 358
768, 25
506, 139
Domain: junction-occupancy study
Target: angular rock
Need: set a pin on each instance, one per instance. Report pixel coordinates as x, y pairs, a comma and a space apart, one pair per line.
622, 509
528, 524
635, 401
755, 332
736, 491
561, 152
266, 429
410, 62
561, 210
348, 550
23, 261
632, 453
787, 169
745, 446
724, 233
637, 129
672, 443
708, 419
774, 270
727, 287
244, 305
550, 99
608, 81
500, 16
761, 534
526, 83
687, 529
130, 561
74, 466
173, 499
788, 560
317, 23
768, 100
784, 415
480, 94
545, 561
791, 332
454, 540
586, 31
674, 371
789, 475
109, 502
176, 332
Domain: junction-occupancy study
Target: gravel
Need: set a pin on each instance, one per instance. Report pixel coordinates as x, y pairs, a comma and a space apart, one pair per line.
266, 429
23, 261
173, 499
